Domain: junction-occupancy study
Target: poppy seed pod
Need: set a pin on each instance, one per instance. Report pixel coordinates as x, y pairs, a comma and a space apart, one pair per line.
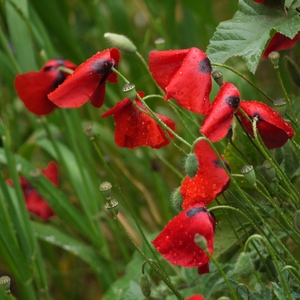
129, 91
218, 77
249, 174
160, 44
5, 283
274, 58
105, 187
111, 206
88, 130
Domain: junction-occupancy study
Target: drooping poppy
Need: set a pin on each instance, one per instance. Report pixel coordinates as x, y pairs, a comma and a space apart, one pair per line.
217, 122
34, 202
195, 297
210, 180
135, 128
273, 129
88, 81
176, 242
280, 42
33, 87
185, 75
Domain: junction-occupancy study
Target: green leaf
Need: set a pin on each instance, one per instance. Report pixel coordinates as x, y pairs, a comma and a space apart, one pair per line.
248, 32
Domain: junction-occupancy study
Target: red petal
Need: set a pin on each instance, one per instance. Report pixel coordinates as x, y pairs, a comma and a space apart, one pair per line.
203, 269
280, 42
33, 87
51, 172
195, 297
273, 129
38, 206
187, 77
134, 128
217, 122
210, 180
176, 241
81, 85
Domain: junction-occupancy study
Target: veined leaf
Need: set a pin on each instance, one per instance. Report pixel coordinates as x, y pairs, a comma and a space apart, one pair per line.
249, 31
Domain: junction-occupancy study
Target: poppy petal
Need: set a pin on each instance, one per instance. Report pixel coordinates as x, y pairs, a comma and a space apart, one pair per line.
187, 77
273, 129
195, 297
51, 172
176, 241
90, 75
210, 180
217, 122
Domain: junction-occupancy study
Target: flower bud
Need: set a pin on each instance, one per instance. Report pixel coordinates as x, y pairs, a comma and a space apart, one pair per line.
5, 283
244, 266
112, 207
249, 174
297, 220
159, 44
223, 298
121, 42
129, 91
88, 130
105, 187
201, 241
177, 199
274, 58
145, 285
293, 70
191, 165
280, 106
270, 171
218, 77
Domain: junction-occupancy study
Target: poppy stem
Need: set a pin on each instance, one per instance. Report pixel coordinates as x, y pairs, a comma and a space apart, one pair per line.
244, 78
65, 69
119, 74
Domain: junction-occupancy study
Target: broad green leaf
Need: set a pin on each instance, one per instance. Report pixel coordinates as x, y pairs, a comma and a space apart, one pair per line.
248, 32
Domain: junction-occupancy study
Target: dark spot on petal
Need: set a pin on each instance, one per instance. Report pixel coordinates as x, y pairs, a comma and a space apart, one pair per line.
213, 220
233, 101
194, 211
103, 66
218, 164
60, 78
257, 116
205, 66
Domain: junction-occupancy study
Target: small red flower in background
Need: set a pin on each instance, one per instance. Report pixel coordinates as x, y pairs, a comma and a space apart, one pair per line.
176, 241
280, 42
184, 75
33, 87
259, 1
273, 129
35, 204
88, 81
217, 122
210, 180
195, 297
134, 128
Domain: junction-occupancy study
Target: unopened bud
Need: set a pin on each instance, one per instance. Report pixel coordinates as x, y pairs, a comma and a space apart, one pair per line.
5, 283
121, 42
191, 165
280, 106
200, 240
105, 187
160, 44
88, 130
218, 77
129, 91
244, 266
145, 285
249, 174
274, 58
177, 199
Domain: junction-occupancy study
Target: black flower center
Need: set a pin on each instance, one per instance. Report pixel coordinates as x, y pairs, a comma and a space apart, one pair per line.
194, 211
233, 101
205, 66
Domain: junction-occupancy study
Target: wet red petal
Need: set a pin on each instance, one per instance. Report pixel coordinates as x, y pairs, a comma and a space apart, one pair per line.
203, 269
185, 75
195, 297
89, 76
217, 122
280, 42
273, 129
210, 180
134, 128
176, 241
38, 206
51, 172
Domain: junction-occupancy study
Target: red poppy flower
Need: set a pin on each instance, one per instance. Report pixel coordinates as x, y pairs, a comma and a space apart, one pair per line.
176, 241
134, 128
34, 202
33, 87
88, 81
210, 180
217, 122
259, 1
195, 297
273, 130
280, 42
184, 75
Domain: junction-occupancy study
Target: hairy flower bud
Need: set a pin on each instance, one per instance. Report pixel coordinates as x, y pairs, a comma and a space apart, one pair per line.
145, 285
191, 165
177, 199
244, 266
121, 42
